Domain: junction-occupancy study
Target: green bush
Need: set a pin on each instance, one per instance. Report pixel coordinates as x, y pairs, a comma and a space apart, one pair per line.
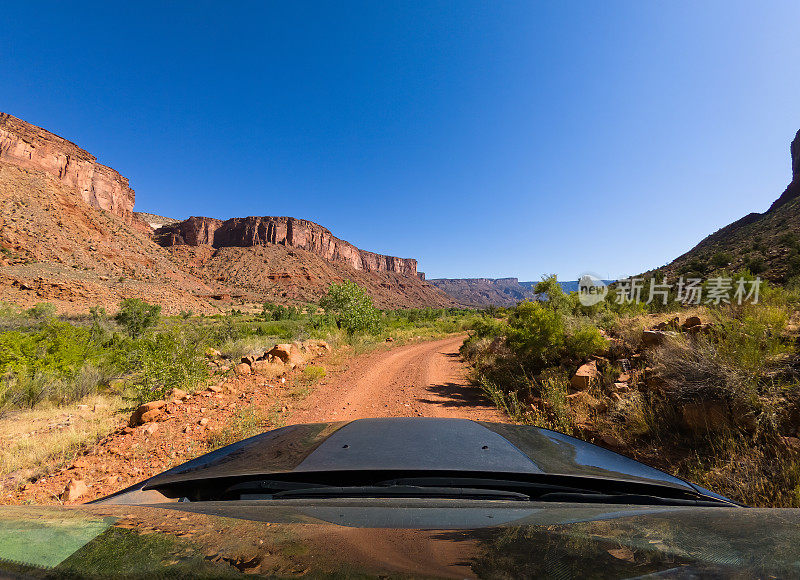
351, 308
165, 361
41, 311
313, 373
55, 362
136, 316
756, 264
721, 259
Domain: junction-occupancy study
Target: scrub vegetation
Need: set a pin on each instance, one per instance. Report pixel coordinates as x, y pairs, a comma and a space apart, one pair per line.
709, 393
65, 382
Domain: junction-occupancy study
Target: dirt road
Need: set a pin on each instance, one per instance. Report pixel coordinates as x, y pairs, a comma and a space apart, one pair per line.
425, 379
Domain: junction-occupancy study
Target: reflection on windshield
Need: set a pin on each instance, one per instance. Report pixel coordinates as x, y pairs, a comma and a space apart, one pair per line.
568, 541
557, 453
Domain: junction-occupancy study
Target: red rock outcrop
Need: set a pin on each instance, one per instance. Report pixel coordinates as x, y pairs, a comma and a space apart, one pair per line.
31, 147
793, 190
286, 231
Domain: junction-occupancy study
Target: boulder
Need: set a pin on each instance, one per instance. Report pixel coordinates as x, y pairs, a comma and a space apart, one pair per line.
584, 376
702, 416
273, 368
151, 428
242, 369
150, 416
249, 359
612, 440
281, 351
75, 489
215, 388
137, 418
691, 322
178, 395
621, 387
653, 337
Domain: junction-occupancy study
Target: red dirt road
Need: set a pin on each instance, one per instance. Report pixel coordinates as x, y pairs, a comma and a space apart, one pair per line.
427, 379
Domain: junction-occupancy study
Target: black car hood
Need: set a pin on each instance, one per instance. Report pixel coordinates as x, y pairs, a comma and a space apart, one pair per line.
415, 444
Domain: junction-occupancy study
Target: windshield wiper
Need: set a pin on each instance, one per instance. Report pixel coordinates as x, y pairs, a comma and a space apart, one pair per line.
537, 491
410, 491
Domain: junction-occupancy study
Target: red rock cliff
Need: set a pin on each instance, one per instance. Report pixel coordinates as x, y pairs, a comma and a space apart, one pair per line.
32, 147
287, 231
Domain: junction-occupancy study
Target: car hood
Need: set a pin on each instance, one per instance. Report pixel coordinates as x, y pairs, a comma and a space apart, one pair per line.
415, 444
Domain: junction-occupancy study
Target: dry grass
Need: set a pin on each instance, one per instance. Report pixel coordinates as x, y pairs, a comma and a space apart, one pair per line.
38, 441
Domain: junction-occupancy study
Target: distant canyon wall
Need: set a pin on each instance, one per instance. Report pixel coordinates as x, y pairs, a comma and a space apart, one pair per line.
287, 231
31, 147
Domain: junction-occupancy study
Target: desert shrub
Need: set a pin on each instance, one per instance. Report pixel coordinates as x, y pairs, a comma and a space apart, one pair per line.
270, 311
351, 308
554, 412
696, 371
165, 361
789, 239
756, 264
57, 362
246, 346
721, 259
313, 373
541, 336
136, 316
41, 311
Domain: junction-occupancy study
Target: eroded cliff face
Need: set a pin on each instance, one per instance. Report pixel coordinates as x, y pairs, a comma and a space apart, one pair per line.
287, 231
31, 147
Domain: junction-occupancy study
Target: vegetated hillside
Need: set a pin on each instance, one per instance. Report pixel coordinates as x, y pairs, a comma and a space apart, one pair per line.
768, 244
69, 235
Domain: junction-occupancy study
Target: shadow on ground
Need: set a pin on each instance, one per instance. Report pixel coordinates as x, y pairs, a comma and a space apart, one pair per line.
456, 395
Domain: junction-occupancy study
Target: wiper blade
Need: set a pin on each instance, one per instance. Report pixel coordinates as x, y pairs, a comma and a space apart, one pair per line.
531, 489
373, 491
552, 492
625, 498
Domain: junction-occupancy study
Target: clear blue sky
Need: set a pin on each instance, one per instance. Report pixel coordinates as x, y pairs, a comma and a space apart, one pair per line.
483, 138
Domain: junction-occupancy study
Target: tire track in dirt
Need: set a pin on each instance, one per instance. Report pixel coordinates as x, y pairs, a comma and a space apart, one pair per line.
427, 379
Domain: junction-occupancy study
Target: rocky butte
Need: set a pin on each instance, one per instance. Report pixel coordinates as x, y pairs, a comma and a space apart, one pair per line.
31, 147
286, 231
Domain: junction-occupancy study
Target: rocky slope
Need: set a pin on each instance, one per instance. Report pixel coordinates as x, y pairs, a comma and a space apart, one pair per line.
281, 274
767, 243
30, 147
286, 231
57, 246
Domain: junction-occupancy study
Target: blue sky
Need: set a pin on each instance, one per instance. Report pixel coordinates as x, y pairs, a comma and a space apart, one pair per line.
483, 138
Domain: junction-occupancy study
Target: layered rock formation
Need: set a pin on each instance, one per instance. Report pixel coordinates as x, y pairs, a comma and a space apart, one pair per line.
286, 231
30, 147
793, 190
